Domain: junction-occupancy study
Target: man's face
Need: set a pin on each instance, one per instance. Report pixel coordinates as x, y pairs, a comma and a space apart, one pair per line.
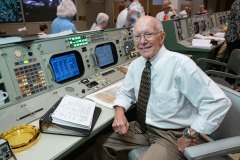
147, 47
166, 6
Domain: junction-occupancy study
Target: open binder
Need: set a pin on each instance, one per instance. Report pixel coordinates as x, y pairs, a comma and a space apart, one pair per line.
46, 125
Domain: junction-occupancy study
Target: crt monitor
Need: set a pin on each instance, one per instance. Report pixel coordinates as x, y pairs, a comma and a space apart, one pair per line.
106, 54
196, 27
41, 10
10, 11
66, 66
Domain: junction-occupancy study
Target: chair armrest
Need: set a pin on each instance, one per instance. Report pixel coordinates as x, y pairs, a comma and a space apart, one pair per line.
213, 149
223, 74
211, 61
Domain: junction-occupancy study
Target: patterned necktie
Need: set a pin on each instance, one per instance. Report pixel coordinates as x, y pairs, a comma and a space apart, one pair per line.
143, 96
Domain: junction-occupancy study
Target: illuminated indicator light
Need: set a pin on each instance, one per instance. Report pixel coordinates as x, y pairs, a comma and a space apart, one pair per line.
70, 42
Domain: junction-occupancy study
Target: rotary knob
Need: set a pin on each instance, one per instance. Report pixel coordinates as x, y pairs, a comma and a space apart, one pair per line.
18, 53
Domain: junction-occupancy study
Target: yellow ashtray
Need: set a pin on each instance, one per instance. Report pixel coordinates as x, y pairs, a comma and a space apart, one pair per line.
225, 28
21, 137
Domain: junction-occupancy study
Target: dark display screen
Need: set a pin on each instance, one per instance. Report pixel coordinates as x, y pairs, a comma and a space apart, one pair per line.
196, 27
66, 66
10, 11
40, 10
106, 55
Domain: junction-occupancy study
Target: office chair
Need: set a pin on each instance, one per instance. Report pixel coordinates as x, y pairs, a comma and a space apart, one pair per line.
232, 64
226, 139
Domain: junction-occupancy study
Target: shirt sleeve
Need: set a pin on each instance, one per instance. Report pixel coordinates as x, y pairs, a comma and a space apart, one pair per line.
125, 96
211, 102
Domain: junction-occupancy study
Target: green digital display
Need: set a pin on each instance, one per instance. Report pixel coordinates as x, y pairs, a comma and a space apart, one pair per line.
77, 41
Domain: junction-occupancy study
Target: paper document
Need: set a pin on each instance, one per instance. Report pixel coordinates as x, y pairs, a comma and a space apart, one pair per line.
74, 112
106, 96
201, 43
219, 34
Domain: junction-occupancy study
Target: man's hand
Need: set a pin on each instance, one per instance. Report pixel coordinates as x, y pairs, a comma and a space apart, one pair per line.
184, 142
120, 123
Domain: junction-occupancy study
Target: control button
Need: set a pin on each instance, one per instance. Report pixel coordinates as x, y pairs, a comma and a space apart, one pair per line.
18, 53
30, 53
84, 81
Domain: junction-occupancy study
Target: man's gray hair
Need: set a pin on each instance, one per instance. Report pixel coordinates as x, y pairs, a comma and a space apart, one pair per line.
66, 9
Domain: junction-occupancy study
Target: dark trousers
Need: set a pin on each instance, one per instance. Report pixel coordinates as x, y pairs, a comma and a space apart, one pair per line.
233, 45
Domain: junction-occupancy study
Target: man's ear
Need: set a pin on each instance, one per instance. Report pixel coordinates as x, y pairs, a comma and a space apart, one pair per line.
163, 35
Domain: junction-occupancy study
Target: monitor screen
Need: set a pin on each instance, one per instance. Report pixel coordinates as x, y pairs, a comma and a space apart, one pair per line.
196, 27
40, 10
106, 55
10, 11
66, 66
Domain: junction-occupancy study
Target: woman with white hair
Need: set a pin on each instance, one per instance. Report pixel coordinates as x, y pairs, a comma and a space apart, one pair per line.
66, 10
101, 22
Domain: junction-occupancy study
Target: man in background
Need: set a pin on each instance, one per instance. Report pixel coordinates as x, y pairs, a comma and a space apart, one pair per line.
168, 11
134, 11
122, 16
202, 9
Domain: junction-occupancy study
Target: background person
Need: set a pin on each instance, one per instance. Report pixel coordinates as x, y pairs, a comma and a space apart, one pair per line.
122, 16
232, 36
186, 11
101, 22
168, 11
65, 13
135, 11
43, 29
202, 9
182, 97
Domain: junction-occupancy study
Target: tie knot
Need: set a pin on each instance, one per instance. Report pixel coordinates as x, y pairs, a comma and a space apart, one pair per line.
148, 64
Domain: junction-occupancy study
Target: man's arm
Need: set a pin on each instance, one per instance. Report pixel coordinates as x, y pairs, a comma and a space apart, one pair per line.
205, 95
173, 10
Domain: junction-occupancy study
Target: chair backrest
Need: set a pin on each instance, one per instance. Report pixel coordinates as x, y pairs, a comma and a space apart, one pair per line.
230, 125
233, 62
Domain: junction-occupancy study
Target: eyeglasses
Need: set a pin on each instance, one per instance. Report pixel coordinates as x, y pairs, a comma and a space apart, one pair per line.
147, 36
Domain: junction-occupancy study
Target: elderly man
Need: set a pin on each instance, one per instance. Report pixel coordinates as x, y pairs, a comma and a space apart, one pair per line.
175, 101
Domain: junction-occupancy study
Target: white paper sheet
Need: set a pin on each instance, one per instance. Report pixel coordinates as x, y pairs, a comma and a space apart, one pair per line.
106, 96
